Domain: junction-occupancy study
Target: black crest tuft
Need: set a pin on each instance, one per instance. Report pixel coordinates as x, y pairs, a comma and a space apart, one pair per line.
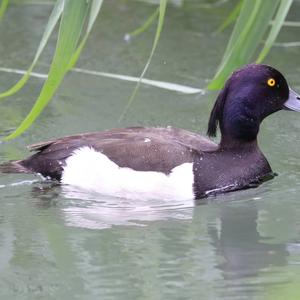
216, 114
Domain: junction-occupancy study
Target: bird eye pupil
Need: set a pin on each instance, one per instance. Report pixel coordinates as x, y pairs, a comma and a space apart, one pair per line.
271, 82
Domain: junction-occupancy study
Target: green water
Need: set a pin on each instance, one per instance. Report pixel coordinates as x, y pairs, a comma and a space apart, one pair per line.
59, 243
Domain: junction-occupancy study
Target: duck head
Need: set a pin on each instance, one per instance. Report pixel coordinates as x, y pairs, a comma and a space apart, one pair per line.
249, 95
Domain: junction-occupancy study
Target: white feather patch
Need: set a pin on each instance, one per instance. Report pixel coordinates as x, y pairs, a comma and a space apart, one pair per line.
92, 170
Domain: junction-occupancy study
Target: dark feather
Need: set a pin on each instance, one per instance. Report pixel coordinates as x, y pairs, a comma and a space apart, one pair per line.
216, 116
138, 148
13, 167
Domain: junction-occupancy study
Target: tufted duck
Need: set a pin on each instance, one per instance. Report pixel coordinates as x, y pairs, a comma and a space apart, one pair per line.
171, 163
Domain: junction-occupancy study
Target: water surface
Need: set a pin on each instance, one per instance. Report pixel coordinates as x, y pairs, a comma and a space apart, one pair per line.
61, 243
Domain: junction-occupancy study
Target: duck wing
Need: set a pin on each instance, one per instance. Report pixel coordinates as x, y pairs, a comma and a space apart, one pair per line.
138, 148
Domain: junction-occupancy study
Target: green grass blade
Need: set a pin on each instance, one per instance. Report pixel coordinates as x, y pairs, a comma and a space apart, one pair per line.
95, 8
72, 21
254, 24
231, 18
53, 19
3, 8
94, 11
243, 24
146, 24
161, 17
276, 26
247, 6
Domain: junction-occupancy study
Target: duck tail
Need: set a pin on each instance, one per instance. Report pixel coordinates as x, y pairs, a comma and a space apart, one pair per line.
13, 167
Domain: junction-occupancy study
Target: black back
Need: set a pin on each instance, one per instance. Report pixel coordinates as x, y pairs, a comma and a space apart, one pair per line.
138, 148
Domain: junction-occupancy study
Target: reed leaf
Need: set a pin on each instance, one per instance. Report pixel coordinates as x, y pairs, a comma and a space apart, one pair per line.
171, 86
53, 19
161, 17
94, 11
276, 26
71, 25
231, 18
3, 7
146, 24
249, 29
291, 23
247, 6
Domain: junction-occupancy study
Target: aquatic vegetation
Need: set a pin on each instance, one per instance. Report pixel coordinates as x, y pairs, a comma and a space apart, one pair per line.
76, 19
251, 26
72, 15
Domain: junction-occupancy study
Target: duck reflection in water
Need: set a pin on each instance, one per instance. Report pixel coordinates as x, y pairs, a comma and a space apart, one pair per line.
243, 250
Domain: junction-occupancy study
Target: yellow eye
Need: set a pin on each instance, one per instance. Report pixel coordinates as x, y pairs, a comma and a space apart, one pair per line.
271, 82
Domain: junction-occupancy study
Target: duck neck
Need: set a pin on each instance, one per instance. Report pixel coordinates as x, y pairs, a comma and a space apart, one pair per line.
239, 127
237, 145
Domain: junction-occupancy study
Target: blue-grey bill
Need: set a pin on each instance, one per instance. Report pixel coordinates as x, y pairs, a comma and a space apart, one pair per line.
293, 102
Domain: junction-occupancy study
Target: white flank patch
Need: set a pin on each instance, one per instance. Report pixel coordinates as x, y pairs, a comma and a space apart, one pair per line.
94, 171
